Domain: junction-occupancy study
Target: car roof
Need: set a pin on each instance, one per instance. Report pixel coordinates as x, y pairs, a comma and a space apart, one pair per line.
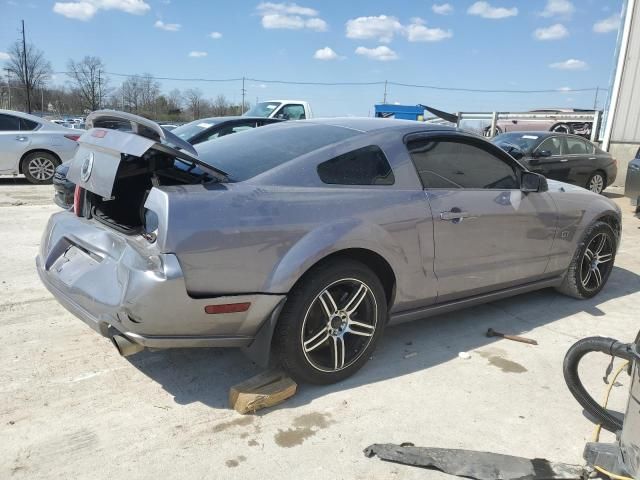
369, 124
232, 118
28, 116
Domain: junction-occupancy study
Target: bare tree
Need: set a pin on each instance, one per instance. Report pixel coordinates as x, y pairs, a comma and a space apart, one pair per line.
38, 69
174, 102
90, 81
194, 101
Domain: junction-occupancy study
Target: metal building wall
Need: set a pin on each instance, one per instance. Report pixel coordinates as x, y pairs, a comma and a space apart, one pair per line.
622, 132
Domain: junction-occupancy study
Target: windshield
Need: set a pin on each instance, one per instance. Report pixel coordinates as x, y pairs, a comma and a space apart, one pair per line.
188, 131
525, 142
262, 109
249, 153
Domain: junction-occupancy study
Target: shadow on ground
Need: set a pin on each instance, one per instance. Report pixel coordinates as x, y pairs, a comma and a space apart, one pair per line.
205, 375
14, 181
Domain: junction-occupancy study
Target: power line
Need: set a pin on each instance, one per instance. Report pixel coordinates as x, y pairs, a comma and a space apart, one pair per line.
340, 84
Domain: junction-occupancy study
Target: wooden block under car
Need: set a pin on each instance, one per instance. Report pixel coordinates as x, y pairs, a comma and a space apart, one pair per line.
264, 390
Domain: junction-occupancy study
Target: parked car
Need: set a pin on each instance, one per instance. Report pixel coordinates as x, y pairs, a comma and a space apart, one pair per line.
282, 109
195, 132
563, 157
33, 147
304, 239
551, 124
632, 183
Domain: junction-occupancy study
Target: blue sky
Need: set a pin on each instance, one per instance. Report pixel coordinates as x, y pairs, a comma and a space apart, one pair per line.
494, 44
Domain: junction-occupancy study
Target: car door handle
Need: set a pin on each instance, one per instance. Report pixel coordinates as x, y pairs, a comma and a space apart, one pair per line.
564, 160
454, 215
592, 158
21, 139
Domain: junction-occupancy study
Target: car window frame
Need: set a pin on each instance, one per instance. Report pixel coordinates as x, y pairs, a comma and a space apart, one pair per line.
482, 144
562, 144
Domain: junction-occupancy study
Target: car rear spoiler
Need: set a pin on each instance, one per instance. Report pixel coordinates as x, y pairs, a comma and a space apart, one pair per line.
112, 134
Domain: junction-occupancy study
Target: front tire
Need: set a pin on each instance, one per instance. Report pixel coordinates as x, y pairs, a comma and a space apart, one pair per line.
592, 262
39, 167
331, 322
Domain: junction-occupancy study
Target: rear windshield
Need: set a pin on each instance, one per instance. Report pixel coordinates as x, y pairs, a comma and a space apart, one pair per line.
188, 131
526, 142
252, 152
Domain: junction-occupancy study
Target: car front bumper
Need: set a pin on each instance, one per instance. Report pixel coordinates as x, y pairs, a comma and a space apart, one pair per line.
117, 287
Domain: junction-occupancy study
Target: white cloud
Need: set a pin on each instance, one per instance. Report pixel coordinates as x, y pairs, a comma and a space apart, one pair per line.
215, 35
381, 28
326, 53
381, 53
554, 32
486, 10
4, 56
571, 64
169, 27
286, 9
609, 24
556, 8
86, 9
442, 9
418, 32
78, 11
290, 16
197, 54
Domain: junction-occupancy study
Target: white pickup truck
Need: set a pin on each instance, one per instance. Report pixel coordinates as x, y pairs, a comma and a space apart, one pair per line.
284, 109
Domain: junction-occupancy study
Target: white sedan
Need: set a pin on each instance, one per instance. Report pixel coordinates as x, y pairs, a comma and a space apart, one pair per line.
34, 147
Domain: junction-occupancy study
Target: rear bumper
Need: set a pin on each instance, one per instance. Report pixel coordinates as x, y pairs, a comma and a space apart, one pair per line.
118, 290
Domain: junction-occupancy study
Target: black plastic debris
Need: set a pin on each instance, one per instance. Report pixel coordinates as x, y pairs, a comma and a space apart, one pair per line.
474, 464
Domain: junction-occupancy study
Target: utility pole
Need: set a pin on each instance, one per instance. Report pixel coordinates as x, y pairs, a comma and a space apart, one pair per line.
384, 99
26, 69
595, 100
42, 99
243, 94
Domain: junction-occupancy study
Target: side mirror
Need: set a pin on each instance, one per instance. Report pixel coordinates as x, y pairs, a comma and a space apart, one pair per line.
533, 182
541, 153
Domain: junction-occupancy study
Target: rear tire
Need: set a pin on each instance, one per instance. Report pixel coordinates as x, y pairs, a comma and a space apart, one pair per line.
597, 182
39, 167
331, 322
592, 262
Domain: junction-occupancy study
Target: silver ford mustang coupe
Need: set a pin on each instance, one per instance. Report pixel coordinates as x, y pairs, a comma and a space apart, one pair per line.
301, 241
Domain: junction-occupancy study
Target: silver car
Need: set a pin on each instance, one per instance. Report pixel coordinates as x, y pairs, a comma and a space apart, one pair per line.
34, 147
301, 241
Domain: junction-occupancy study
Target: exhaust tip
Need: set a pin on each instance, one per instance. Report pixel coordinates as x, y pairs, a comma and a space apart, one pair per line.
125, 346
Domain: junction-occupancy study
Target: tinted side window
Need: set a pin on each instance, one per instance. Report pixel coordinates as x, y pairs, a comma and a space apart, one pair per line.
576, 146
550, 144
9, 123
365, 166
27, 124
453, 164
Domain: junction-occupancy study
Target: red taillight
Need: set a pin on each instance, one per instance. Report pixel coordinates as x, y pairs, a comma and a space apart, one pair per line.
227, 308
72, 137
77, 201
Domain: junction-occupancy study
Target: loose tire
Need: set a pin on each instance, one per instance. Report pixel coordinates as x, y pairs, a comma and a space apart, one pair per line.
39, 167
331, 322
487, 131
597, 182
562, 128
592, 262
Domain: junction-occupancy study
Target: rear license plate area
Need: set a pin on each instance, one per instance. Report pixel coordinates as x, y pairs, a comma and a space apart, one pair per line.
72, 264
